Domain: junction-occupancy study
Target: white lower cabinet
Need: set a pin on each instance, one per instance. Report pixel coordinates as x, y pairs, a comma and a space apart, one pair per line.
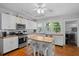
10, 44
59, 40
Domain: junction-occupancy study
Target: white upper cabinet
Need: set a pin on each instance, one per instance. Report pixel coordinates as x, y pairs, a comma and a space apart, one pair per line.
23, 21
8, 21
34, 25
20, 20
30, 24
13, 22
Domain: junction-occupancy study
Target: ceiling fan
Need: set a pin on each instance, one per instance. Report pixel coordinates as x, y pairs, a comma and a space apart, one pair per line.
41, 9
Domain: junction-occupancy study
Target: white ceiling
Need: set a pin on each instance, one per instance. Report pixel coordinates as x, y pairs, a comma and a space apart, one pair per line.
26, 9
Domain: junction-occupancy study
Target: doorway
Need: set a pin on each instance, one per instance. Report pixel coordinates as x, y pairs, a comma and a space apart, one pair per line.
71, 33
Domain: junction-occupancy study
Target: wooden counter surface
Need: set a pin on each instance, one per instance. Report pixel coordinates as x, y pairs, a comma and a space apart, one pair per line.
40, 38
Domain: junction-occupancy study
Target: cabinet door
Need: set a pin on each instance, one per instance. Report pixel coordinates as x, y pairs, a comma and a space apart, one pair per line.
8, 21
23, 21
59, 40
10, 44
20, 20
33, 25
12, 24
6, 45
14, 43
27, 24
30, 24
5, 21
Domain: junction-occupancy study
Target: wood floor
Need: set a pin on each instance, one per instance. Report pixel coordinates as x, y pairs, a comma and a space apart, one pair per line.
67, 50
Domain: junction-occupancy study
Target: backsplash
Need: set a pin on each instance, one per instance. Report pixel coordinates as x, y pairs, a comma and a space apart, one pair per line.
16, 31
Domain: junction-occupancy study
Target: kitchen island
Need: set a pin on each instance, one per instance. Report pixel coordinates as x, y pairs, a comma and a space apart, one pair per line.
43, 40
40, 37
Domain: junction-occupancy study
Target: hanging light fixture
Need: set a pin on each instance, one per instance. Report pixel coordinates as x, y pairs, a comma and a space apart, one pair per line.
40, 8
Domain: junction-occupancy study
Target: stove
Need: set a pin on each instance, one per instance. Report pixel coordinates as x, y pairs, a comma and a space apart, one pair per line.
22, 40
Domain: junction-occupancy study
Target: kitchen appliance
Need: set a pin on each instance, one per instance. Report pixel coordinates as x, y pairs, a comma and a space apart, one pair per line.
4, 34
71, 39
22, 39
20, 26
34, 30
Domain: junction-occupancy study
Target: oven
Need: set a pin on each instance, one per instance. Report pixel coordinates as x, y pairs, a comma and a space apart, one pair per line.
22, 40
20, 26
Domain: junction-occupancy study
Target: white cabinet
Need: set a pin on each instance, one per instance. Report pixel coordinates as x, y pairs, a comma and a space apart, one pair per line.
10, 44
34, 25
23, 21
4, 21
27, 24
12, 24
39, 25
30, 24
59, 40
20, 20
8, 21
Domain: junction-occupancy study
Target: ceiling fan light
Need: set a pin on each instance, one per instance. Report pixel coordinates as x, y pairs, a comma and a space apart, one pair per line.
39, 11
42, 11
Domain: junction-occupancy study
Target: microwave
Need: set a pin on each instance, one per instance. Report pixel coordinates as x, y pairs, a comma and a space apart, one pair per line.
20, 26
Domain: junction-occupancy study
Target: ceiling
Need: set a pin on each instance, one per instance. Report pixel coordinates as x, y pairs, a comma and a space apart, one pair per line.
26, 10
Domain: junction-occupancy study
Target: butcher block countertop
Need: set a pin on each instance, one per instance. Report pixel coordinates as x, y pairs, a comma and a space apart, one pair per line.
40, 38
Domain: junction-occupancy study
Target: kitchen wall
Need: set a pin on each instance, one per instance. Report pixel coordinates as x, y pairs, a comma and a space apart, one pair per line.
0, 21
42, 24
12, 30
73, 23
78, 33
30, 25
64, 27
69, 25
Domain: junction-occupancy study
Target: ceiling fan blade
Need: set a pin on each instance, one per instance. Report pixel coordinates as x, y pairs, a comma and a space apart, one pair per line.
49, 10
38, 5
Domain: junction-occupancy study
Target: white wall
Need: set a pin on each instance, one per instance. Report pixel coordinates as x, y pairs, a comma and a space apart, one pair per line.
63, 26
69, 25
78, 33
62, 23
43, 25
